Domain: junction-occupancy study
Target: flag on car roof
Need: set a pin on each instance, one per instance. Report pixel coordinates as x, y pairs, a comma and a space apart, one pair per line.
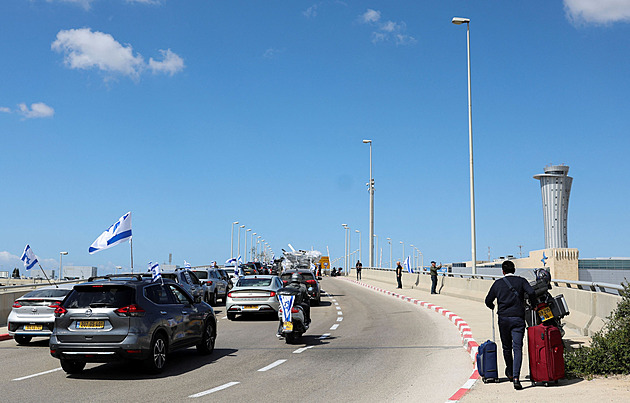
155, 271
230, 262
408, 265
186, 264
119, 231
29, 258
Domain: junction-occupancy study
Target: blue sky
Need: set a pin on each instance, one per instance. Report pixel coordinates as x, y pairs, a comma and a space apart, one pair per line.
194, 114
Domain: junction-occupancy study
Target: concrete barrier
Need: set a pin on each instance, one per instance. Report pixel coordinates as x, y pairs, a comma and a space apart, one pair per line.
588, 309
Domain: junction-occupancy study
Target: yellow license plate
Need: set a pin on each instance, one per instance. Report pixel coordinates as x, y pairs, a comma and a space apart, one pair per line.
545, 314
33, 327
90, 324
287, 326
251, 307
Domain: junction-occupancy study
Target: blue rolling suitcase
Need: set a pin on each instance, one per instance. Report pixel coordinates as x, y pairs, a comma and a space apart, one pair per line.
487, 359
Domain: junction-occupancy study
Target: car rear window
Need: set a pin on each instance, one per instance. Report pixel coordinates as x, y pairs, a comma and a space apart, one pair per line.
201, 274
50, 293
287, 276
99, 296
254, 282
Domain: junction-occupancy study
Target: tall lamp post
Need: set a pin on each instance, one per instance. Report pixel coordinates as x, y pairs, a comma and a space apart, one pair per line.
232, 241
360, 254
371, 190
238, 253
60, 266
252, 253
257, 243
459, 21
413, 255
345, 244
389, 240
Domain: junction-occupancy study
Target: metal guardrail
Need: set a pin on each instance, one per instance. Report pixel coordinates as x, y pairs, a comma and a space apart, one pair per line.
581, 285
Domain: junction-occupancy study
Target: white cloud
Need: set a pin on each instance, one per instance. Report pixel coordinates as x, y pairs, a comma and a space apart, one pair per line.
171, 64
597, 11
388, 31
271, 53
5, 109
84, 49
311, 12
370, 16
37, 110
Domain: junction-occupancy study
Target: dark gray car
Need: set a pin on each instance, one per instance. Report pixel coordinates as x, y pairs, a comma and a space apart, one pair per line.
129, 319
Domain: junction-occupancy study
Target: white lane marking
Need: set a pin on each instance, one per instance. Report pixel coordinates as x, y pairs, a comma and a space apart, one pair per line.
336, 303
38, 374
334, 300
323, 336
272, 365
225, 317
334, 327
339, 313
339, 319
301, 350
338, 308
218, 388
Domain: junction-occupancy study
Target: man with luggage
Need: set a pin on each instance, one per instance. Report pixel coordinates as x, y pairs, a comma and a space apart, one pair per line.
510, 292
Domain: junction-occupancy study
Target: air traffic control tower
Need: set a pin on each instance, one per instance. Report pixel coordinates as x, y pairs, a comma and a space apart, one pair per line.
555, 185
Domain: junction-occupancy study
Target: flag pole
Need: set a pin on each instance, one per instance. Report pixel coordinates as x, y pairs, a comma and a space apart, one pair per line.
40, 266
131, 245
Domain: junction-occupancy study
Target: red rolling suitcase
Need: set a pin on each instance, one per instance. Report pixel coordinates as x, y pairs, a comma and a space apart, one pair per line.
546, 354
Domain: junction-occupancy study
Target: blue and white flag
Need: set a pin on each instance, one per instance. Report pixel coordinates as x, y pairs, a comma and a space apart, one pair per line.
120, 231
286, 302
239, 260
230, 262
29, 258
186, 265
407, 265
155, 271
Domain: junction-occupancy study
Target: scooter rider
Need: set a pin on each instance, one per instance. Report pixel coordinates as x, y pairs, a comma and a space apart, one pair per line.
302, 299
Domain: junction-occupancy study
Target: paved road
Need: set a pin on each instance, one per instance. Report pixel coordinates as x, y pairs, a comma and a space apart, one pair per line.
362, 346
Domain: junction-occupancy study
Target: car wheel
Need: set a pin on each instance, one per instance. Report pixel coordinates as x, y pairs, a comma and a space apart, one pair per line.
156, 361
71, 366
231, 315
206, 345
214, 298
20, 339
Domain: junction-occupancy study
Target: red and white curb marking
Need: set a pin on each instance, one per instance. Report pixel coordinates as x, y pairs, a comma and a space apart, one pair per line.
464, 330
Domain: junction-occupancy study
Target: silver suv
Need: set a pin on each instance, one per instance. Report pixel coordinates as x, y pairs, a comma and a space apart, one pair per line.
129, 319
216, 285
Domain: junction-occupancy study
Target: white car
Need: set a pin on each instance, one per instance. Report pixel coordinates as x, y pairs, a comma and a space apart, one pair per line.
254, 294
33, 314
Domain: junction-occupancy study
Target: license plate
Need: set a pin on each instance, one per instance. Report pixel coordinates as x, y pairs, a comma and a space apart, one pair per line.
90, 324
33, 327
287, 326
545, 314
251, 307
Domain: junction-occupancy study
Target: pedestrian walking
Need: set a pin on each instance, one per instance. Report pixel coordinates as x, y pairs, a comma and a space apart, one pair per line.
399, 271
510, 292
434, 275
358, 266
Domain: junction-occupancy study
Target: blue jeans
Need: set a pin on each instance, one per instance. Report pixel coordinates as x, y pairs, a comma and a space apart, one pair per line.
512, 331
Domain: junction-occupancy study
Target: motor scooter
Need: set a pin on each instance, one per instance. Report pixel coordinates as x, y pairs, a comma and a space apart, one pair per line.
290, 315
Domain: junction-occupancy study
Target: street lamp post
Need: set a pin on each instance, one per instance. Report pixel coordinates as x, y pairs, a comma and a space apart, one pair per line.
459, 21
257, 243
232, 241
413, 255
246, 231
360, 254
60, 266
252, 253
238, 253
345, 245
371, 190
389, 240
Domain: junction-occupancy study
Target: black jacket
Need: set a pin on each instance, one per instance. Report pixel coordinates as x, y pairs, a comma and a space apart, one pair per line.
509, 304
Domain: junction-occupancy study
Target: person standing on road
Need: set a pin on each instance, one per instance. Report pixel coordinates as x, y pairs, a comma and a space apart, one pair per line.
399, 271
509, 291
434, 275
359, 266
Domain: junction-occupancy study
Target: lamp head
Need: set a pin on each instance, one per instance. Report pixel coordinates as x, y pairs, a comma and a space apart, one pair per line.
367, 141
235, 222
460, 20
63, 253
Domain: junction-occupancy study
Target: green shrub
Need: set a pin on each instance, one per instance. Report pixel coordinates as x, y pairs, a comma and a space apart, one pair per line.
609, 352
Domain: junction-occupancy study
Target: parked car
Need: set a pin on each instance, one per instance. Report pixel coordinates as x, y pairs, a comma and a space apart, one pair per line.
227, 278
33, 314
309, 279
253, 295
129, 319
215, 285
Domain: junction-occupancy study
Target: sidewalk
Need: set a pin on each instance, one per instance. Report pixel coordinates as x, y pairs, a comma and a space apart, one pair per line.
479, 319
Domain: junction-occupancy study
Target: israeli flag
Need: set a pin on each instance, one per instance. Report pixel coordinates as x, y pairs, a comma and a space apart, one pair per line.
186, 265
239, 260
155, 271
230, 262
408, 265
29, 258
313, 267
286, 302
117, 233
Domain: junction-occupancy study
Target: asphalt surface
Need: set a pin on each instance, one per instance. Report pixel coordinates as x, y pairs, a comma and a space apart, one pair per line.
361, 346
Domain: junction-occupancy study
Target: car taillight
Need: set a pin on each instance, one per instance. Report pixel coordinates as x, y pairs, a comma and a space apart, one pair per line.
230, 294
130, 310
17, 304
209, 282
59, 310
285, 282
55, 304
294, 310
311, 282
272, 294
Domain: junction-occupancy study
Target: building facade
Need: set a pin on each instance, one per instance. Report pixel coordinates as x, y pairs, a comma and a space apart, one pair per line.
555, 186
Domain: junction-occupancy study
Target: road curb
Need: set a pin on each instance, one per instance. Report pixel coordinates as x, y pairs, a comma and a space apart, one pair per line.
468, 342
5, 336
